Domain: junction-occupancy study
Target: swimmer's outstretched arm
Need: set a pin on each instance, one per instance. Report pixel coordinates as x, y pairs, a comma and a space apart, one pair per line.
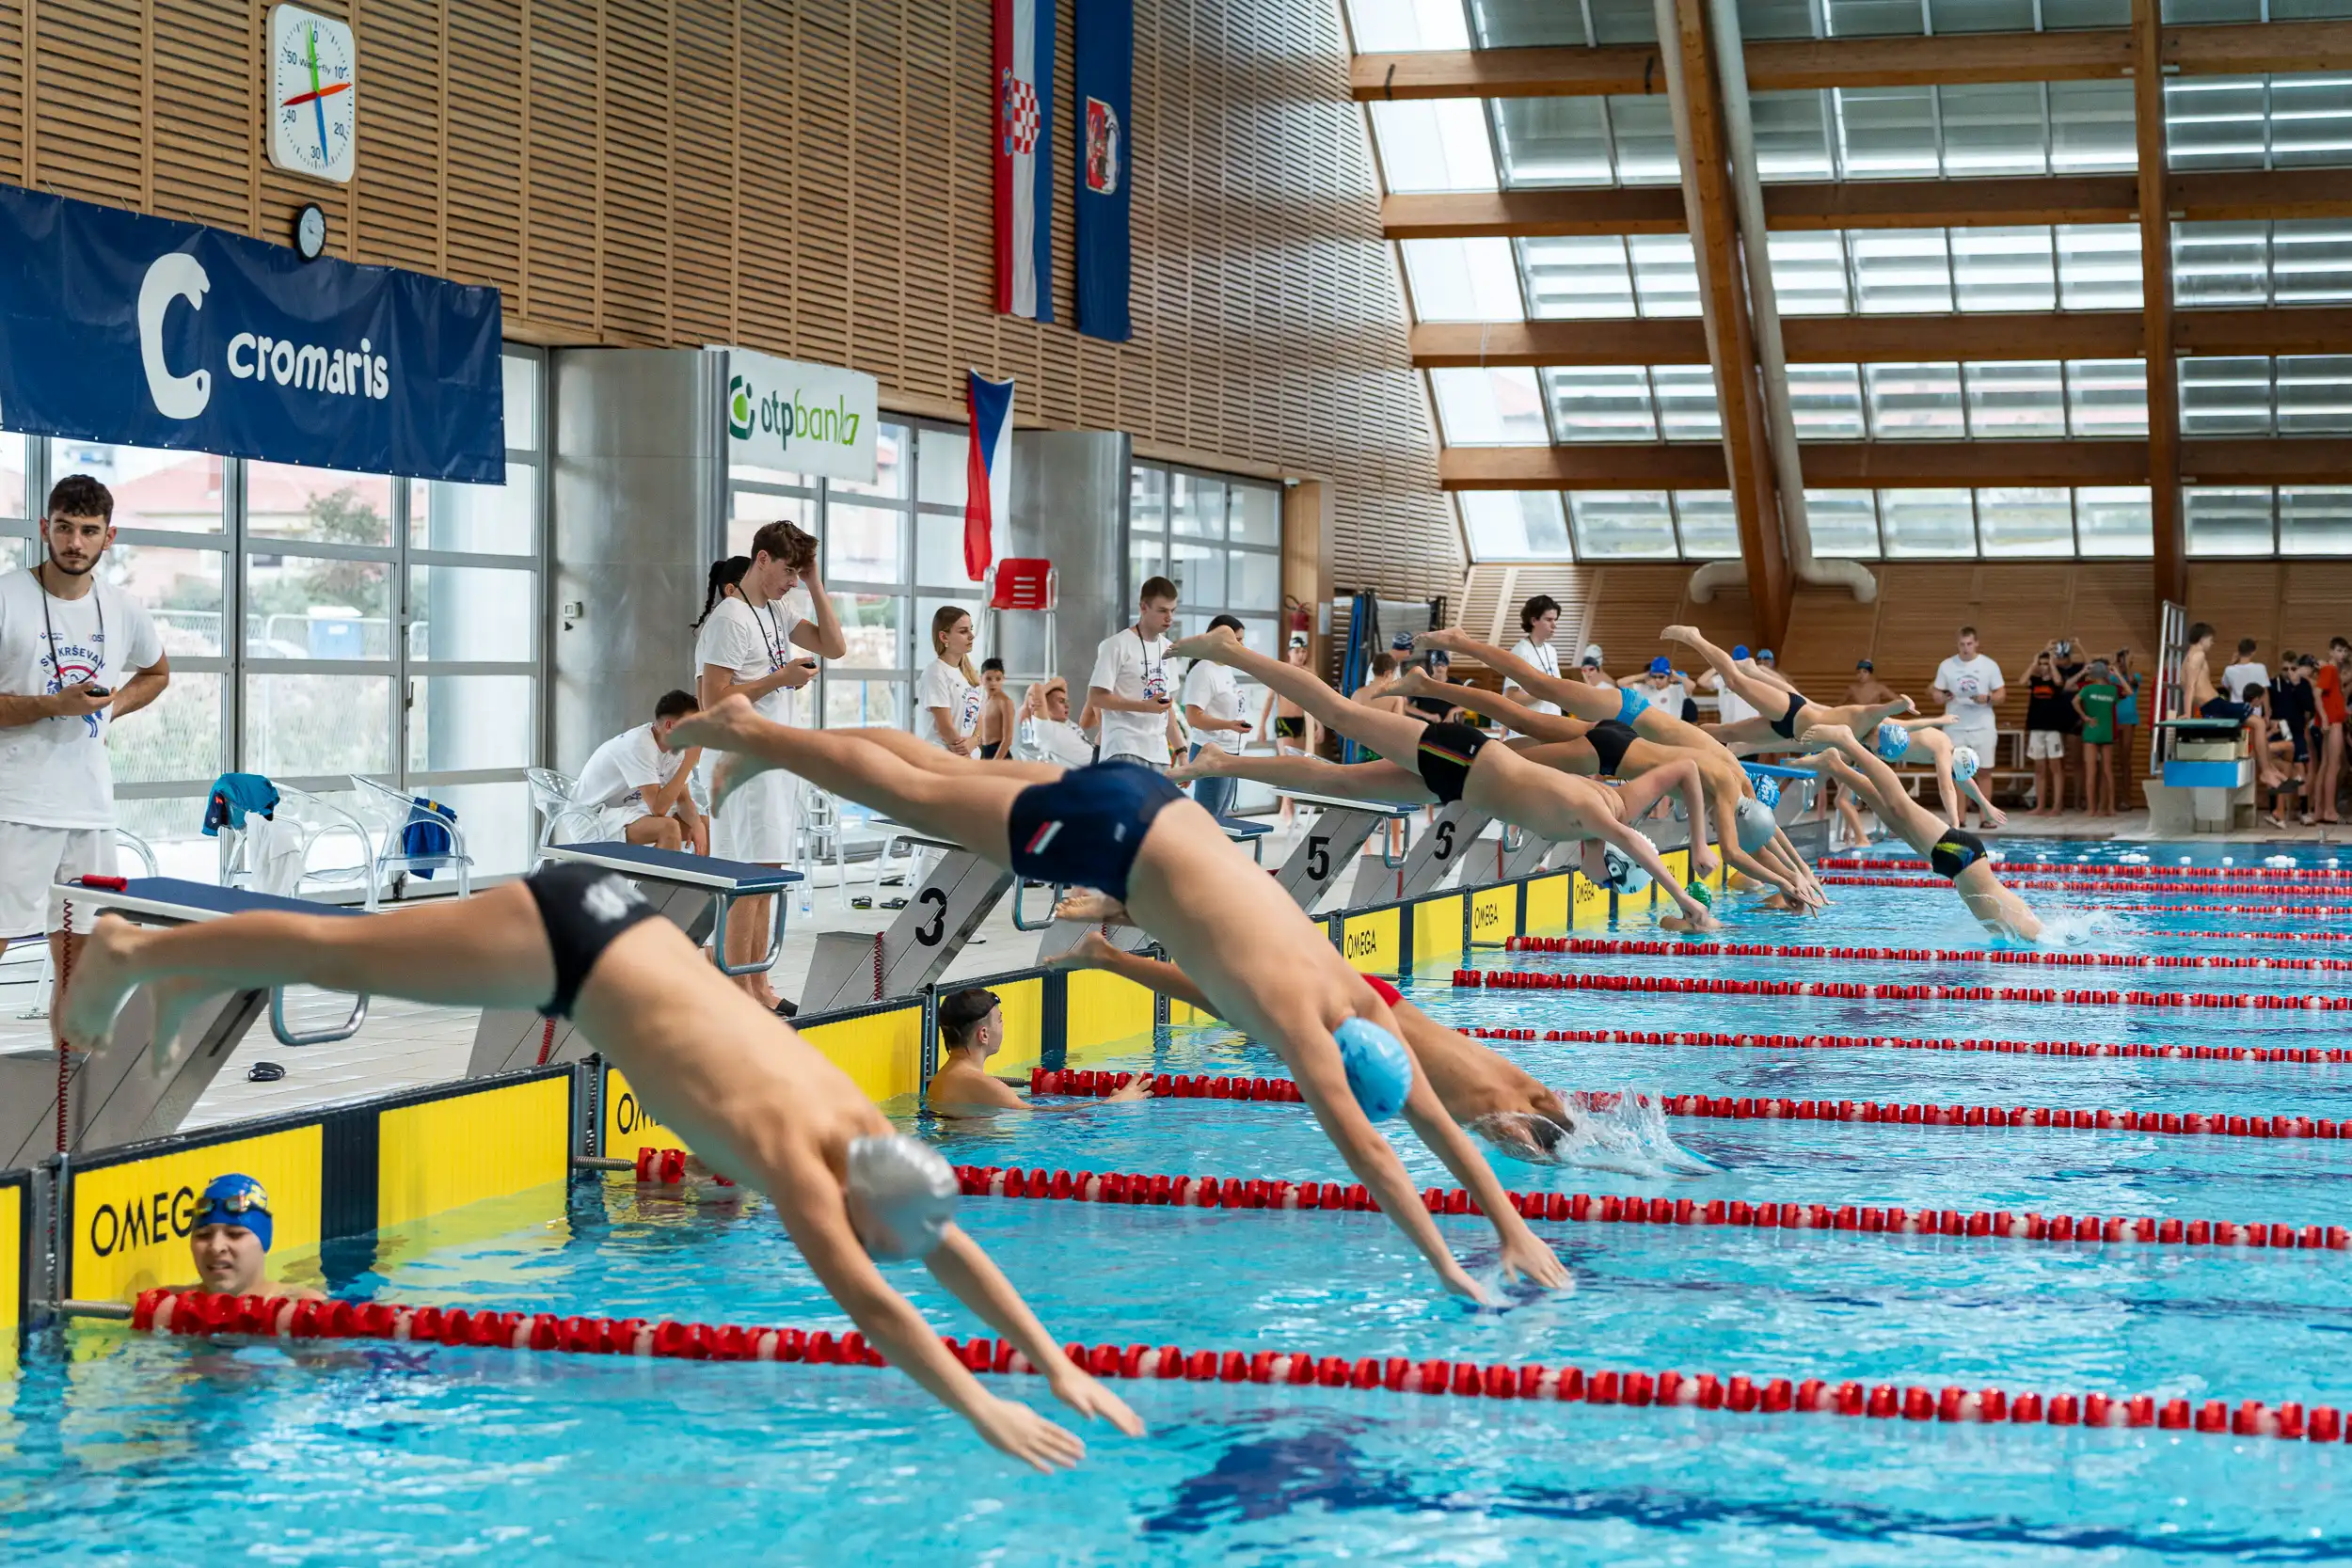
1680, 777
1095, 951
1575, 697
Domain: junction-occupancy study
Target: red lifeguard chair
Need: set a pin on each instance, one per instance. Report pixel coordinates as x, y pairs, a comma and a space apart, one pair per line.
1025, 584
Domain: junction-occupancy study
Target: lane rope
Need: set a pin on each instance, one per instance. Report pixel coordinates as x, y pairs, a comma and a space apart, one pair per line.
1839, 879
2070, 1049
1506, 979
2117, 873
197, 1314
1909, 955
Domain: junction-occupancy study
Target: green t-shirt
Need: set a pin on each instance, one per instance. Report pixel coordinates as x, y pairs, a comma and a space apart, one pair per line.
2098, 701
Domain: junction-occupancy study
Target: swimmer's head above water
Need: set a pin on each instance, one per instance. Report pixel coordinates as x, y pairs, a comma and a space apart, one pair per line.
901, 1195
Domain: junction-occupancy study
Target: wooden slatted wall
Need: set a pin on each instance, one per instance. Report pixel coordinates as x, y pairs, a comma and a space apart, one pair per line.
811, 177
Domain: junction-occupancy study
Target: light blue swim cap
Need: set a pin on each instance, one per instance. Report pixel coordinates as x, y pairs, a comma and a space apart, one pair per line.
1379, 1071
1893, 740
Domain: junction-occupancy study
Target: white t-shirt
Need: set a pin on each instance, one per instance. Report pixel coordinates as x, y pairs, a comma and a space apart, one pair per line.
625, 769
1731, 707
1127, 666
2237, 677
1215, 691
1543, 657
54, 773
944, 686
1058, 741
1971, 683
753, 644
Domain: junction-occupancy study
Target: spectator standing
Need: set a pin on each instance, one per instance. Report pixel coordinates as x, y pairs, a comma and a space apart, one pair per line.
1130, 687
1539, 617
1970, 685
2095, 703
2127, 719
2293, 708
949, 698
1866, 689
1219, 716
2047, 706
2327, 681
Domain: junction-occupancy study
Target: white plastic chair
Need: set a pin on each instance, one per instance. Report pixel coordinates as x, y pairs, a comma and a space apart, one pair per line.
317, 819
561, 820
393, 811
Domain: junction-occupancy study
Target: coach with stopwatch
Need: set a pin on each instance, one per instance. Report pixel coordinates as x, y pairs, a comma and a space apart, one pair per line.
74, 655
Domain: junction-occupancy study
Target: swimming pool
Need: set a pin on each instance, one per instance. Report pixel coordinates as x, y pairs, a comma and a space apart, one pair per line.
112, 1445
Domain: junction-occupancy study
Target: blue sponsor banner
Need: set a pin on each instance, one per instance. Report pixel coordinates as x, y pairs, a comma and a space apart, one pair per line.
116, 326
1105, 46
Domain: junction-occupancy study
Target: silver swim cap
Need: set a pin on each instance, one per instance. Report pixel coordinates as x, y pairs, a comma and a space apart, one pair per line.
1756, 824
901, 1195
1965, 762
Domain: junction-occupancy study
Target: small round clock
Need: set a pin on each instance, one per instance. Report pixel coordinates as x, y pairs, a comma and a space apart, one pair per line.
309, 231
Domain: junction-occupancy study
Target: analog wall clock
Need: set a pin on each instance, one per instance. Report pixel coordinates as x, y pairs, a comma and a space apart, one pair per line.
314, 91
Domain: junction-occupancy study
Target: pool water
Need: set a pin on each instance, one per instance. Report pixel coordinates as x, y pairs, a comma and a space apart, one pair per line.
113, 1447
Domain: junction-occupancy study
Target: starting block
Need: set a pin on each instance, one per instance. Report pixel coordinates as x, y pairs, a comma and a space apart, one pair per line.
1444, 845
1327, 844
852, 968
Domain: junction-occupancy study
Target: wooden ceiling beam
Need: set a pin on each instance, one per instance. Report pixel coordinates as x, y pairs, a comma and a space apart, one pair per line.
1891, 465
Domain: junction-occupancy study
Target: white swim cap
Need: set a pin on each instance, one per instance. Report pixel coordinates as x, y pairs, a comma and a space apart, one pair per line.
901, 1195
1621, 873
1893, 740
1965, 762
1756, 824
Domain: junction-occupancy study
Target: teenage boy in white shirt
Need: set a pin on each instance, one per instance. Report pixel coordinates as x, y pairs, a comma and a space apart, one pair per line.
1970, 684
1129, 686
640, 790
76, 654
1219, 717
757, 647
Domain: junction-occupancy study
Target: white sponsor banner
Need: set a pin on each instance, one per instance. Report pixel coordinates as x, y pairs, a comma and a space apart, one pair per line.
802, 418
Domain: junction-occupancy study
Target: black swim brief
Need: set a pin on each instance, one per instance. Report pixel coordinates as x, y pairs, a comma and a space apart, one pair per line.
584, 908
1609, 740
1290, 727
1785, 726
1084, 828
1954, 853
1444, 758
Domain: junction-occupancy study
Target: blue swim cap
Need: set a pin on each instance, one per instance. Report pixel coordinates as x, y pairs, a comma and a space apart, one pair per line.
1660, 666
1893, 740
1740, 650
1379, 1071
235, 1199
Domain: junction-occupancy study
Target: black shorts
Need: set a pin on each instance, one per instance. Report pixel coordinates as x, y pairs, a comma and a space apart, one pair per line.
1290, 728
584, 908
1785, 726
1610, 739
991, 751
1954, 853
1443, 759
1084, 828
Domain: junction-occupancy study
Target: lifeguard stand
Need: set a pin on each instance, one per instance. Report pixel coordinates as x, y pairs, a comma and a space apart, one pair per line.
1029, 585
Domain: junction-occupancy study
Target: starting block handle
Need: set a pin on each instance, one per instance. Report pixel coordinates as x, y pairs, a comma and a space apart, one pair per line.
343, 1031
1020, 921
724, 902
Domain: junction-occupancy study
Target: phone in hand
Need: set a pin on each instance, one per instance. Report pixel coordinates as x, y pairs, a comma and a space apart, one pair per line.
98, 692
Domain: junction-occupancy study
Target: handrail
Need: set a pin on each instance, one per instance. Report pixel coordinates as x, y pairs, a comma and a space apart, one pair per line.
285, 1032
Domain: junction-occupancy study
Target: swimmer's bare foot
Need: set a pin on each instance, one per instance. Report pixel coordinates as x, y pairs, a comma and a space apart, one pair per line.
1829, 737
1413, 681
1087, 952
1211, 760
1689, 635
1443, 638
105, 975
722, 727
1212, 645
1096, 908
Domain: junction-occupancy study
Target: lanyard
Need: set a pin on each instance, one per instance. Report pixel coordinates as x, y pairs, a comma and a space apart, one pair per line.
771, 632
56, 670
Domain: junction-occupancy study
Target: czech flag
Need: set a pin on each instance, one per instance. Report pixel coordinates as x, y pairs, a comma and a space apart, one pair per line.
988, 473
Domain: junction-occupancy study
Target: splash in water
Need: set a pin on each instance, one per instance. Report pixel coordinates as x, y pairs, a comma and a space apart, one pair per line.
2066, 927
1624, 1131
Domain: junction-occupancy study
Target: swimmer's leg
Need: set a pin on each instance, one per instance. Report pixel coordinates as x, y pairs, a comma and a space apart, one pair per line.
1391, 734
1745, 681
934, 759
1383, 782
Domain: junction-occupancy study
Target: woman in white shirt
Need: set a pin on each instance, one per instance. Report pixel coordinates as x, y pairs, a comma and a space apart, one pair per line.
949, 695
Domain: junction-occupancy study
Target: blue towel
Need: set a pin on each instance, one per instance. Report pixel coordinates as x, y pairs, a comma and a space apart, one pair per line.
234, 795
425, 835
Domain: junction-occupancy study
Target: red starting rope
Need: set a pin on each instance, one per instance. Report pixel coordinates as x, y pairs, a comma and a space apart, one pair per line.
1508, 979
1910, 954
275, 1316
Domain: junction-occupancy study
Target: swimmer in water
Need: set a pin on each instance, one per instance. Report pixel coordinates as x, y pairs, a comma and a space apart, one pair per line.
1783, 712
754, 1099
972, 1026
1454, 762
1955, 854
1127, 832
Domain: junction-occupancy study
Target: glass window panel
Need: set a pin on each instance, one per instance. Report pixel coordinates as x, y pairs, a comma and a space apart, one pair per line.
2091, 129
498, 824
519, 377
2015, 521
892, 443
1489, 407
1775, 19
2214, 121
1982, 16
181, 589
2056, 14
1887, 132
483, 519
1993, 128
1255, 514
1665, 276
2098, 266
941, 457
1793, 134
1527, 24
1809, 273
283, 502
1902, 270
2311, 261
875, 628
1623, 20
471, 613
152, 488
1147, 500
2221, 263
858, 705
1617, 525
2181, 11
2114, 520
1865, 18
1463, 280
1399, 27
865, 543
1197, 506
1844, 522
1643, 129
2225, 395
1198, 571
15, 470
1253, 580
1587, 276
1514, 524
1825, 401
2315, 394
15, 553
753, 474
176, 737
2004, 269
1928, 522
1147, 558
939, 550
1434, 144
458, 723
2226, 520
2108, 397
2311, 120
2015, 398
751, 510
1686, 402
1553, 141
298, 606
2315, 519
1710, 525
1915, 402
308, 724
1603, 402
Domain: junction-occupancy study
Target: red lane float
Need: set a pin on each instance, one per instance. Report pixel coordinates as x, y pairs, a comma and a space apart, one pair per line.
1618, 945
164, 1312
2313, 911
2066, 1049
2113, 873
1212, 1191
1672, 985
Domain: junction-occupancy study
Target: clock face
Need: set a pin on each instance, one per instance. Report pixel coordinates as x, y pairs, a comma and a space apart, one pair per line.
311, 233
315, 89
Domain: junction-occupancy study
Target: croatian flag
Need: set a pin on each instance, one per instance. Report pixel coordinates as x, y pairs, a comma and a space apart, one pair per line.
1024, 165
988, 472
